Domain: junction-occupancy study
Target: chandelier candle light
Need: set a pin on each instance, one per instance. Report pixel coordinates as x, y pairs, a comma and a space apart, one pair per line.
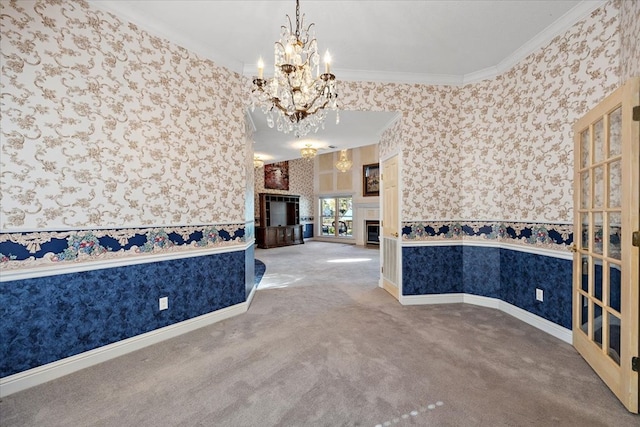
294, 100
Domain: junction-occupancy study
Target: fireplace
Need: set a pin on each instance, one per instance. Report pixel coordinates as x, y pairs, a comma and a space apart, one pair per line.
372, 236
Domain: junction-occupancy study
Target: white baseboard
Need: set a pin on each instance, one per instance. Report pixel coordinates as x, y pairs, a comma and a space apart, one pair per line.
251, 294
534, 320
41, 374
431, 299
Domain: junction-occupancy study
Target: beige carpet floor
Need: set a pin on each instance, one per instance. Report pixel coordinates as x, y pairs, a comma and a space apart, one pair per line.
323, 345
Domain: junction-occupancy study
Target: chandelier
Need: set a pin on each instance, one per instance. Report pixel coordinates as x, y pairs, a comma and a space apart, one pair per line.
257, 162
344, 164
294, 100
308, 152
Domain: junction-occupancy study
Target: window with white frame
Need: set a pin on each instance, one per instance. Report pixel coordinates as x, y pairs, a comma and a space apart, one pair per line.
336, 214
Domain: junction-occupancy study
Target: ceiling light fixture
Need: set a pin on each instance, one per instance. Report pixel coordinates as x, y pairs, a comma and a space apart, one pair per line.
257, 163
344, 164
296, 98
308, 152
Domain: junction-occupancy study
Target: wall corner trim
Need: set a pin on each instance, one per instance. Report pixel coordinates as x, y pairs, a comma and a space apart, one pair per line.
41, 374
544, 325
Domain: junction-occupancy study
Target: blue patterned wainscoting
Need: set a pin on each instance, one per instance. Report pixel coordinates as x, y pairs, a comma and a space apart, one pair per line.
307, 232
481, 271
431, 270
522, 272
45, 319
505, 274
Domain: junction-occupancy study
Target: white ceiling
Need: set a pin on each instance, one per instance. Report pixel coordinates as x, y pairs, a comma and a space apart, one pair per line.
431, 42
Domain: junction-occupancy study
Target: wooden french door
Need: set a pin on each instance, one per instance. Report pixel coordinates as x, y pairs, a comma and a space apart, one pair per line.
606, 299
390, 244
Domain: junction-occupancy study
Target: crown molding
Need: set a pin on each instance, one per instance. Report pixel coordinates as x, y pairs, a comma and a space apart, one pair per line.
564, 23
116, 8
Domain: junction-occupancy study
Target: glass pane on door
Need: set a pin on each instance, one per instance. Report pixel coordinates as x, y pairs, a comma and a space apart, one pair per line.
585, 143
614, 338
598, 139
615, 132
614, 235
585, 194
615, 179
584, 232
597, 324
597, 232
584, 314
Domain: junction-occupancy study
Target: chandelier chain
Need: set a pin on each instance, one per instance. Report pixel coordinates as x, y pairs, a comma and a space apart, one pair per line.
297, 19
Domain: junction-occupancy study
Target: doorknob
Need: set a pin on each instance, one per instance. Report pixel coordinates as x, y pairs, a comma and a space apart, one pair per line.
573, 248
395, 234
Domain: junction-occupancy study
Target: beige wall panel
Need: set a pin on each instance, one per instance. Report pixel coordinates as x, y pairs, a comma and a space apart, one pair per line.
369, 154
345, 181
325, 162
326, 182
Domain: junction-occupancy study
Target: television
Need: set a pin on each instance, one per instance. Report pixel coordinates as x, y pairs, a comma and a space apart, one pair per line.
278, 214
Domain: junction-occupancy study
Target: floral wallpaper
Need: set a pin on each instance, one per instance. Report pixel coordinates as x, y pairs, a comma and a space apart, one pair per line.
518, 127
629, 40
105, 125
300, 183
390, 140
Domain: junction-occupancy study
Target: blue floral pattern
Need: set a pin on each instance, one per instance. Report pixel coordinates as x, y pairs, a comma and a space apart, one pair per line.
28, 249
454, 231
5, 258
209, 235
79, 245
156, 239
556, 236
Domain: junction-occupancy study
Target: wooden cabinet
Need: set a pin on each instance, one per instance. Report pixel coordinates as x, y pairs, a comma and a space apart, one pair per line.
272, 237
279, 221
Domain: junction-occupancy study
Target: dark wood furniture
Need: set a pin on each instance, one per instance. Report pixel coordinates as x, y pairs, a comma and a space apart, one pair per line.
279, 221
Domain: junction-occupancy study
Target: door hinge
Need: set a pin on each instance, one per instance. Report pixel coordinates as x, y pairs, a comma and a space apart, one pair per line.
635, 364
381, 223
636, 113
381, 178
381, 269
635, 238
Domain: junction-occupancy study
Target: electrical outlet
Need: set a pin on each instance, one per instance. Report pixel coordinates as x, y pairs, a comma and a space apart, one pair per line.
539, 295
163, 303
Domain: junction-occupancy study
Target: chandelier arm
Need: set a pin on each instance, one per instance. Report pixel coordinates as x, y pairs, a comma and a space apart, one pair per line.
305, 41
276, 103
290, 26
278, 43
320, 107
319, 93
